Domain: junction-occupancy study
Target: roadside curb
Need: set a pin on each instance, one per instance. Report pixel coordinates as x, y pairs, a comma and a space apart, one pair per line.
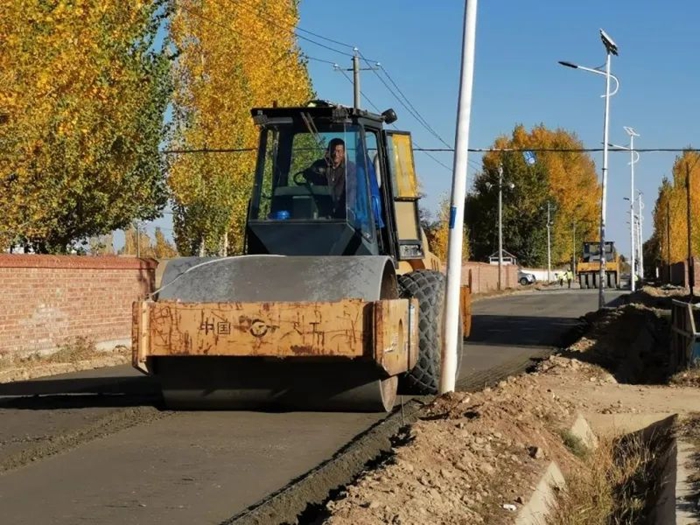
538, 507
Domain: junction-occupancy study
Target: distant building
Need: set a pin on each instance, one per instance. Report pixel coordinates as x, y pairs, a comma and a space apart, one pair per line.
508, 258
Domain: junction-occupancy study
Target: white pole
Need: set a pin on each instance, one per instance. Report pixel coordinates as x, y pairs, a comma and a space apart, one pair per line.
448, 370
356, 80
500, 227
601, 275
632, 236
641, 244
549, 246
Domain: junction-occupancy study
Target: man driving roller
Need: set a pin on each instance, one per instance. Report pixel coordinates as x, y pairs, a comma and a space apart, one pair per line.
332, 171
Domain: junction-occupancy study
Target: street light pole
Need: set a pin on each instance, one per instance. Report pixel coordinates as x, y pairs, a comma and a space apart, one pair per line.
549, 245
691, 266
640, 244
634, 241
633, 161
573, 250
611, 49
668, 239
606, 126
500, 227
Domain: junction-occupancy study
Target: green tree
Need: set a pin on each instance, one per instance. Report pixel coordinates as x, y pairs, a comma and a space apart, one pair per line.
565, 180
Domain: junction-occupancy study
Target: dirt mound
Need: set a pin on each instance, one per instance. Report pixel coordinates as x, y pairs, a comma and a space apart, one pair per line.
471, 456
659, 297
689, 378
476, 457
631, 342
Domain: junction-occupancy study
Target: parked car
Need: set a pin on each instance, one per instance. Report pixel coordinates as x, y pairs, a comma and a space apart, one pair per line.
526, 278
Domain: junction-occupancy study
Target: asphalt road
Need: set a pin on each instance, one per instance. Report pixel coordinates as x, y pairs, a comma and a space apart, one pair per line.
93, 448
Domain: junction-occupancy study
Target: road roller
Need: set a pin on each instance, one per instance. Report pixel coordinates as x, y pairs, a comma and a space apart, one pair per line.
336, 303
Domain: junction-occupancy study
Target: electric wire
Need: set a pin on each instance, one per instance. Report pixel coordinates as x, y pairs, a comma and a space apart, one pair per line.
317, 35
422, 119
564, 150
374, 106
294, 29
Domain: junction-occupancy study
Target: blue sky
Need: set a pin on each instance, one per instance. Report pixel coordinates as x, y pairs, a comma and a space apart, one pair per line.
517, 78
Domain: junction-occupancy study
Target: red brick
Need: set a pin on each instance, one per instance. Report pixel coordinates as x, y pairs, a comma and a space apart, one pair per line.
48, 300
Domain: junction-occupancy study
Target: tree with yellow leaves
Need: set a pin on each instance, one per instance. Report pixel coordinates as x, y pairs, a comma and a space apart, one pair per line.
565, 180
233, 56
84, 91
670, 215
438, 231
138, 242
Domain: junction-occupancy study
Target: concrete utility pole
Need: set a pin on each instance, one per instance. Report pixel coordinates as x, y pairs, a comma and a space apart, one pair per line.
356, 90
500, 227
448, 369
668, 239
573, 249
549, 245
356, 80
640, 243
691, 265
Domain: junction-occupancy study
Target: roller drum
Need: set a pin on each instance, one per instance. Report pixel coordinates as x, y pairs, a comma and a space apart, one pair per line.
249, 383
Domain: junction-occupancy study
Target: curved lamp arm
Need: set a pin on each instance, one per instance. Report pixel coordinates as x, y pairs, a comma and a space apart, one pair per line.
596, 71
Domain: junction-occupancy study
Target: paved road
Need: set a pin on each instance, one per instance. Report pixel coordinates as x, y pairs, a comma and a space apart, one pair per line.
106, 455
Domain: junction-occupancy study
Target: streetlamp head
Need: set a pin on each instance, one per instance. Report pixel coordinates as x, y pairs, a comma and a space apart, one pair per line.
630, 131
616, 146
568, 64
609, 43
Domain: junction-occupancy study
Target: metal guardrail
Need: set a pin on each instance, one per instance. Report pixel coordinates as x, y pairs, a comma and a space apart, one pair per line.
685, 338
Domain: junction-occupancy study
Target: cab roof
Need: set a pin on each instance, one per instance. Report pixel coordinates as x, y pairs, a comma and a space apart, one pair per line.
316, 109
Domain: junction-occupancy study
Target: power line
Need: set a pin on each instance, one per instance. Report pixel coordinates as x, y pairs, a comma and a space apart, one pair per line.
304, 55
374, 106
324, 37
252, 35
425, 122
450, 150
416, 115
292, 30
563, 150
407, 104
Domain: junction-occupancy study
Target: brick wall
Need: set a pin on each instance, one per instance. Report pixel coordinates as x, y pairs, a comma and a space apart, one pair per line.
47, 301
677, 273
483, 277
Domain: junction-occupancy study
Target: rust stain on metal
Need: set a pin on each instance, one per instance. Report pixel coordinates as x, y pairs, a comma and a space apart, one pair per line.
302, 350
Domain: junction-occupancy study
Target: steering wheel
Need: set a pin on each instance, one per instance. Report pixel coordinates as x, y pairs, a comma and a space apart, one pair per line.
299, 179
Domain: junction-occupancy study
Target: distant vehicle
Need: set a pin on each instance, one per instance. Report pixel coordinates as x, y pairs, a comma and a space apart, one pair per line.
588, 268
526, 278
